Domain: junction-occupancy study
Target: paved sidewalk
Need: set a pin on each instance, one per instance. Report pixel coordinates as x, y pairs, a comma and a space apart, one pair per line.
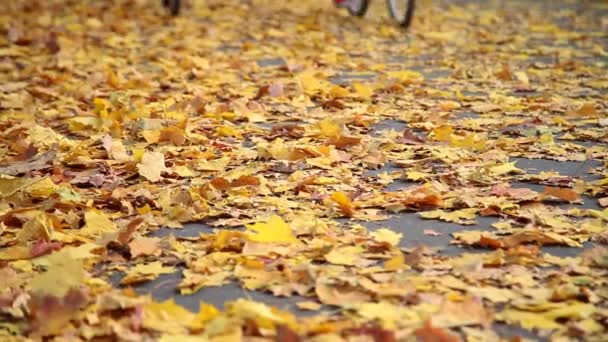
284, 171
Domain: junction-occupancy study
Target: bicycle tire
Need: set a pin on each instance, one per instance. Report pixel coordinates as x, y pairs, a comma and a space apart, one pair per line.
403, 17
361, 10
174, 6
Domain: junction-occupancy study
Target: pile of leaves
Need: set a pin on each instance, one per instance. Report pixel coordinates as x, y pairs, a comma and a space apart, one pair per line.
262, 119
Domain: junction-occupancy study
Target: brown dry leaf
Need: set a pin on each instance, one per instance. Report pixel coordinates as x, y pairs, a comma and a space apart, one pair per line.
410, 137
469, 311
144, 246
422, 198
562, 194
586, 109
334, 295
173, 135
539, 237
343, 141
126, 233
39, 162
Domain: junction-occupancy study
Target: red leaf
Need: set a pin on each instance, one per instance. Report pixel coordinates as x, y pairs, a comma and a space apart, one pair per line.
285, 334
429, 333
487, 242
42, 247
376, 333
561, 193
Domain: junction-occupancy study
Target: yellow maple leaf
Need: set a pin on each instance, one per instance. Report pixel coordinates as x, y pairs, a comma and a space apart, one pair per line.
45, 136
329, 128
309, 305
152, 268
346, 255
152, 136
310, 83
586, 109
152, 165
363, 90
138, 154
546, 139
41, 188
274, 230
167, 317
10, 185
338, 91
443, 132
96, 223
206, 312
505, 168
62, 274
546, 319
469, 141
184, 171
83, 123
522, 77
389, 314
463, 216
116, 149
228, 131
218, 164
144, 272
264, 315
406, 76
603, 214
416, 175
190, 338
346, 206
387, 235
38, 227
144, 246
395, 262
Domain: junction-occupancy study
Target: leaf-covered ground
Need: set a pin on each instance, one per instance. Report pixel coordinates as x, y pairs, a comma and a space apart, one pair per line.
279, 170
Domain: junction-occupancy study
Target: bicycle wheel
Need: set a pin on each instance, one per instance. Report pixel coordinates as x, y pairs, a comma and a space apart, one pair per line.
402, 10
355, 7
174, 6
